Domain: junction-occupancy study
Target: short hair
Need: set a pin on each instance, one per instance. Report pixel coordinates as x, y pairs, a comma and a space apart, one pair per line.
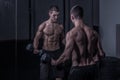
77, 11
54, 8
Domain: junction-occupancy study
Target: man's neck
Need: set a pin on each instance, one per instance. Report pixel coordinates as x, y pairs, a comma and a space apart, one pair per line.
79, 23
50, 21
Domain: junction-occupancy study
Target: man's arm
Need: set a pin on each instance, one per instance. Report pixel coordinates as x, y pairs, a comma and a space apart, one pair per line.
63, 38
62, 35
68, 49
101, 52
38, 35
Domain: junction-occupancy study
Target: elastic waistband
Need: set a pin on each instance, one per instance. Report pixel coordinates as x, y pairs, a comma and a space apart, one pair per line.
48, 51
77, 67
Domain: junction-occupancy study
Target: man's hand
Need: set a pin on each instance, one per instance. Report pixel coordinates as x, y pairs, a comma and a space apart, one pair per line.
53, 62
36, 51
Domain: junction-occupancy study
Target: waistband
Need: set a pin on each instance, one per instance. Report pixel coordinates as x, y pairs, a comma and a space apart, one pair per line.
79, 67
48, 51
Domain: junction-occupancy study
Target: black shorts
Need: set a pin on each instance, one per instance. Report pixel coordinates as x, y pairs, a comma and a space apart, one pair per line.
49, 72
89, 72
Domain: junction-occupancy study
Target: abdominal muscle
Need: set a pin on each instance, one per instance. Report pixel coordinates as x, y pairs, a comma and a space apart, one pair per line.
51, 44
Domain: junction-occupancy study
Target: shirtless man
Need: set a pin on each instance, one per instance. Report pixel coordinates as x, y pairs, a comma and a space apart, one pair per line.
83, 46
52, 33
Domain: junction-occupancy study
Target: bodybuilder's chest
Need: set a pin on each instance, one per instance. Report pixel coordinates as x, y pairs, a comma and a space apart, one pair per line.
51, 31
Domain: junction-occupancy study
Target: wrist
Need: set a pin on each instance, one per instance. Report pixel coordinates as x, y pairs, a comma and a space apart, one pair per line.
56, 63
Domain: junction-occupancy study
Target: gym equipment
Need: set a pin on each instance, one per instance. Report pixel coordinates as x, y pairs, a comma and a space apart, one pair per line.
45, 58
29, 47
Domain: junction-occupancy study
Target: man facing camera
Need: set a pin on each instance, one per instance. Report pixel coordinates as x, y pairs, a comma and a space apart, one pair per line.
52, 34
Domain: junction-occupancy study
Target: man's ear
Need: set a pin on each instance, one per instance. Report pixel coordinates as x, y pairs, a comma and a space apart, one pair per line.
72, 17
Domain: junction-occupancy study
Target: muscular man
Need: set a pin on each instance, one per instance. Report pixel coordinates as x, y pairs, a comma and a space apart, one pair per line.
52, 34
83, 46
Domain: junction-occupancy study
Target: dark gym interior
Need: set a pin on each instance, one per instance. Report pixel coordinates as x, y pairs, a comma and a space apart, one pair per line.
19, 20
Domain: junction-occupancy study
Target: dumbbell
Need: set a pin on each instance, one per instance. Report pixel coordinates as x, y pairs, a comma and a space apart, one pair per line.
30, 48
45, 58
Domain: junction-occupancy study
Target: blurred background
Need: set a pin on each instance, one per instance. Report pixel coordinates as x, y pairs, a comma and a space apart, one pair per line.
19, 20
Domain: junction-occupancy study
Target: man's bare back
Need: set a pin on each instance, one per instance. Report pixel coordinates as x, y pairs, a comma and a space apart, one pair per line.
83, 42
51, 33
83, 38
94, 46
80, 46
89, 47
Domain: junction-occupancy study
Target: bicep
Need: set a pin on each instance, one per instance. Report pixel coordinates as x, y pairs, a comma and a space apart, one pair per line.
39, 32
69, 44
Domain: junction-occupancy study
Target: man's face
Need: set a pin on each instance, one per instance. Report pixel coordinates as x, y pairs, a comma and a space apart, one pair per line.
54, 15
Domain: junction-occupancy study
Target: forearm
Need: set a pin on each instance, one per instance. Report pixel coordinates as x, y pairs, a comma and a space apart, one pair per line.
62, 59
68, 49
65, 56
36, 43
